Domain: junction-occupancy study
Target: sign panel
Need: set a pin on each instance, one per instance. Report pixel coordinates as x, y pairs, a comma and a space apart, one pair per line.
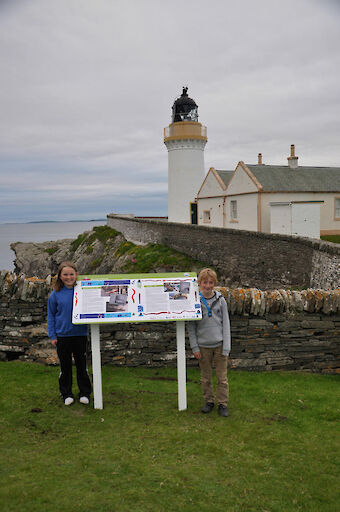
136, 298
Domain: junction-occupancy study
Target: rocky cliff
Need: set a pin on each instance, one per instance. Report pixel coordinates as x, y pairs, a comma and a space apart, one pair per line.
100, 251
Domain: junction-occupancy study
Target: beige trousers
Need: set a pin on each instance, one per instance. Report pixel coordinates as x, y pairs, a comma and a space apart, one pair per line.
213, 357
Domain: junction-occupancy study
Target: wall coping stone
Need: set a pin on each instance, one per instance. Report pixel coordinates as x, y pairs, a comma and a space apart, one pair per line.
241, 301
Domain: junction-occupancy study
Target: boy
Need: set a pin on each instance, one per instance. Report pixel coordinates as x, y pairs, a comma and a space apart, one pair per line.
210, 342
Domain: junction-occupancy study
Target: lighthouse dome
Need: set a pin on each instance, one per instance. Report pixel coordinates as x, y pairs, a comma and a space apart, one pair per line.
184, 108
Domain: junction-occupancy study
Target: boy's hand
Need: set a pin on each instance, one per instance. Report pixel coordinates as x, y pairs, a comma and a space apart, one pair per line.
197, 355
54, 342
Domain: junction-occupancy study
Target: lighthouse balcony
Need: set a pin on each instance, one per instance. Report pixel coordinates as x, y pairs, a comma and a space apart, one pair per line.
185, 130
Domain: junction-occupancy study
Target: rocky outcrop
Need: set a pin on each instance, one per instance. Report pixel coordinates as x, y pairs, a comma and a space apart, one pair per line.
40, 259
100, 251
91, 252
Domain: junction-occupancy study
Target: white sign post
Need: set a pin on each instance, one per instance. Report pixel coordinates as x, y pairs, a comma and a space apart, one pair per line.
96, 367
137, 298
181, 366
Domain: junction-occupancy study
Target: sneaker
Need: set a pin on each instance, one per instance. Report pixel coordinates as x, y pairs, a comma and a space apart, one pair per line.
208, 407
84, 400
68, 401
223, 410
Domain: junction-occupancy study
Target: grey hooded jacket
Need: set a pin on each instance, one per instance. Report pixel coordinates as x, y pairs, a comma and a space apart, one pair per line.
211, 331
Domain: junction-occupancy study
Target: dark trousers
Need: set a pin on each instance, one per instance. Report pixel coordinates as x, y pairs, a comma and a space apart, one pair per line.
76, 346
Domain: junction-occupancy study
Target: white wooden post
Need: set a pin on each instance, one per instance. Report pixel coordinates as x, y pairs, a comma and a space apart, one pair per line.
96, 367
181, 366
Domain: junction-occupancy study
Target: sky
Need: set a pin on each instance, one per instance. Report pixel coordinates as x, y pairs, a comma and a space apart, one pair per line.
87, 88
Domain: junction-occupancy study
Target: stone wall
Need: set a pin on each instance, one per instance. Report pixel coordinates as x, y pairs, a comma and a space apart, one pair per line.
243, 258
280, 329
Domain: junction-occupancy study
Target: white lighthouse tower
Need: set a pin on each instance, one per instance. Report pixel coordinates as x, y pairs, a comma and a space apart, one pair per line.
185, 139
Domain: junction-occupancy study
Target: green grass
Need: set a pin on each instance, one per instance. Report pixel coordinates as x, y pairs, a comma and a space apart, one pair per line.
102, 233
151, 256
95, 263
78, 241
277, 452
51, 250
331, 238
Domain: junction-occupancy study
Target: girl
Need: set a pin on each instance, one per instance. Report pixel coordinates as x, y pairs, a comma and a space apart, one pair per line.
68, 338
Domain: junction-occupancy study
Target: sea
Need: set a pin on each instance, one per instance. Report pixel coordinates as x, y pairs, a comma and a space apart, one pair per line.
38, 232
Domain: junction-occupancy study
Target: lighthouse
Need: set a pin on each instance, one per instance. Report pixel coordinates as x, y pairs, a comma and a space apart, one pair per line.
185, 139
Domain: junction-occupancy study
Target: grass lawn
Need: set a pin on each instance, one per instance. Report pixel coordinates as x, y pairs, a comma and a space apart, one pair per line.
277, 452
331, 238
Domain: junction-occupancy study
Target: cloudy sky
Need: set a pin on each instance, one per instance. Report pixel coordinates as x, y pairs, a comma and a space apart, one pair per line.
87, 88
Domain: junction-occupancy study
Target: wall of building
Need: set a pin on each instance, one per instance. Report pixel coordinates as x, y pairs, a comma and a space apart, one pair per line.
246, 212
243, 258
210, 198
270, 330
215, 206
248, 205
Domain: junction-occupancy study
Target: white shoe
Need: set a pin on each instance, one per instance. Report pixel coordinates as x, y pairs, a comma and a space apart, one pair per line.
84, 400
68, 401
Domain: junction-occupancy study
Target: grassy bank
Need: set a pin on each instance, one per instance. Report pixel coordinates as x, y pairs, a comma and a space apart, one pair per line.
277, 452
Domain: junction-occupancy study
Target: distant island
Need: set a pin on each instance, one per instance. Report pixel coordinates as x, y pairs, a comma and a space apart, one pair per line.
59, 221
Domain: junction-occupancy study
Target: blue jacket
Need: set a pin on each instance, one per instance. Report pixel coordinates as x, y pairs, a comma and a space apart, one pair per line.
59, 315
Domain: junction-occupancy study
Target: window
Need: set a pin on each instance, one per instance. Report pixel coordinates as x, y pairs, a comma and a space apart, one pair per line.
206, 216
233, 210
337, 207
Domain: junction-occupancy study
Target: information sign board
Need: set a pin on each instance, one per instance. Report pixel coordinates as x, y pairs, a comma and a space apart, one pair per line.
136, 298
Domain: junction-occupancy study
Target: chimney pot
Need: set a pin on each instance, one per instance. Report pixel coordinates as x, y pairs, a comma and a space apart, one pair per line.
259, 159
292, 159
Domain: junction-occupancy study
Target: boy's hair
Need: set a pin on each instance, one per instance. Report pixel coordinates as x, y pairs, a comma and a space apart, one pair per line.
207, 273
59, 284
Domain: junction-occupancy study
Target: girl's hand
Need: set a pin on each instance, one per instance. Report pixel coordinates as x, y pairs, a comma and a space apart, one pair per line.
54, 342
197, 355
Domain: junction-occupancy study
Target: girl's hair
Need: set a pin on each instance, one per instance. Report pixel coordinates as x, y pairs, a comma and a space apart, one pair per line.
207, 273
59, 284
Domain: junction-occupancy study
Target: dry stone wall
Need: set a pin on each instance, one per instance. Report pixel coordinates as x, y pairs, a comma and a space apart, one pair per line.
280, 329
243, 258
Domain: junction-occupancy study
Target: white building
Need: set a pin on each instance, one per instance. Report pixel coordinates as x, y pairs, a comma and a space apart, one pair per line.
242, 199
185, 139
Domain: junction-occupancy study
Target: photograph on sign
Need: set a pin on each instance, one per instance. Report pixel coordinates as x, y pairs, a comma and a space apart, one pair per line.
136, 298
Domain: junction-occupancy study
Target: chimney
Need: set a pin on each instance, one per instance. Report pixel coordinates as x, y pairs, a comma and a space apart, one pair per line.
259, 159
292, 159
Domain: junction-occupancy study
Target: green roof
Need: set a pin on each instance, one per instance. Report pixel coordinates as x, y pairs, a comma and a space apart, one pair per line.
302, 179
